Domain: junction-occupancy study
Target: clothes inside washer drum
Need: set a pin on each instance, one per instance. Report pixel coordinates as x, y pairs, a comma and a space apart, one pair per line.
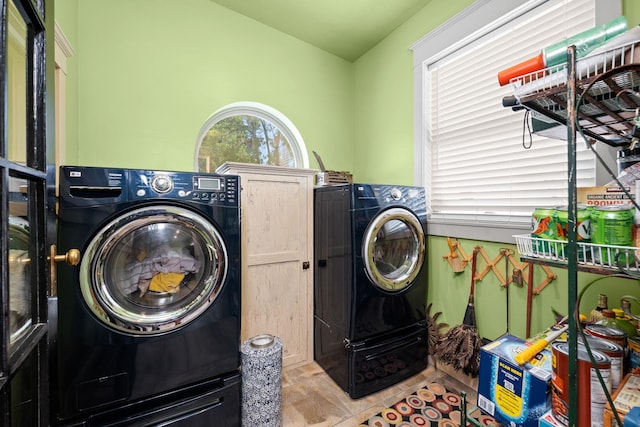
261, 358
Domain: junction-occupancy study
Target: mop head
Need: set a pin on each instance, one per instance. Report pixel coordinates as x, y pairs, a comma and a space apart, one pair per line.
460, 348
434, 329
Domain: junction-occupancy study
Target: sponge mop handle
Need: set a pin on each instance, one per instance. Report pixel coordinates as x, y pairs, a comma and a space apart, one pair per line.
529, 353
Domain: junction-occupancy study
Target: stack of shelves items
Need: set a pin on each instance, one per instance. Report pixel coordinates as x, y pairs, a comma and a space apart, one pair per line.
608, 85
597, 256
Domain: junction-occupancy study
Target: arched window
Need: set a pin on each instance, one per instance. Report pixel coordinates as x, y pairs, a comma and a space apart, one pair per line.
249, 132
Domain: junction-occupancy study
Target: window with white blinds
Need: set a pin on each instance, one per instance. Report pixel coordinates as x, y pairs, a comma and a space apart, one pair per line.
474, 162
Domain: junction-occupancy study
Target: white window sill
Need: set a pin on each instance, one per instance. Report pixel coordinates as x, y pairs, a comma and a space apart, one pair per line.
502, 233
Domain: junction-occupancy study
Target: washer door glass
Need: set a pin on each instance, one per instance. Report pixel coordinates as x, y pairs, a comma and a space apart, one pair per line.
153, 269
394, 249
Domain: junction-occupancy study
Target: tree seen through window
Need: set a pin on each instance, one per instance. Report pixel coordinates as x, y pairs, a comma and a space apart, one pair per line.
246, 139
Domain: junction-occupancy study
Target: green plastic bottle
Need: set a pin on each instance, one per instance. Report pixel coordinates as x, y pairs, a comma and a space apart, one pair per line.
624, 323
584, 42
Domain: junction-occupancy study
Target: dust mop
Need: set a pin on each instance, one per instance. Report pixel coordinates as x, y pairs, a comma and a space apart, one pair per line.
460, 346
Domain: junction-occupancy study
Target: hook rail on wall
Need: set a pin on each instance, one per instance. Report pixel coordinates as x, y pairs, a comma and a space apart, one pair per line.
519, 268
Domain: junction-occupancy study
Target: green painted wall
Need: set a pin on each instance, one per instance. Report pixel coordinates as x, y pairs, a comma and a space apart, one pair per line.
631, 9
384, 98
150, 73
66, 17
147, 74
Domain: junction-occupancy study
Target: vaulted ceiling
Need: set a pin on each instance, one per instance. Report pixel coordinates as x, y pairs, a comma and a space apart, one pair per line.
346, 28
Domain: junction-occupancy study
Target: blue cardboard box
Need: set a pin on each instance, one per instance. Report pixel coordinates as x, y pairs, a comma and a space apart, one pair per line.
516, 396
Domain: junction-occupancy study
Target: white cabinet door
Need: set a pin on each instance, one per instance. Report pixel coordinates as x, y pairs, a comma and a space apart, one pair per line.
277, 247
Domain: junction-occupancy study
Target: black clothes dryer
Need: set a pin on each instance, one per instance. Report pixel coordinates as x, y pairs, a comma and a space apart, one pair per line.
151, 314
370, 284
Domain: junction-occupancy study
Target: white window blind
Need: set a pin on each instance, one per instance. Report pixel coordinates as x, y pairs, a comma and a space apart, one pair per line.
476, 169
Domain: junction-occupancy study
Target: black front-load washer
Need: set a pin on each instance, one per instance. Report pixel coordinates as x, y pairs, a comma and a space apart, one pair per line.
152, 310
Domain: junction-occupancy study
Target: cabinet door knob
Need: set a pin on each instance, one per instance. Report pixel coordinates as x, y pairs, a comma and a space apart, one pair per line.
306, 265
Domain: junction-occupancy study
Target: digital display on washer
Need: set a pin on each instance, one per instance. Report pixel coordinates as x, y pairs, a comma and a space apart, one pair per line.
209, 184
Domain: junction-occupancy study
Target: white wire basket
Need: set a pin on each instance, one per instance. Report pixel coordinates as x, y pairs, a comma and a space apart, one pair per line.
598, 62
589, 254
607, 112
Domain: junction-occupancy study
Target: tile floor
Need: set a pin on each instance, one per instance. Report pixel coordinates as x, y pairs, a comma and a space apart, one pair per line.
311, 398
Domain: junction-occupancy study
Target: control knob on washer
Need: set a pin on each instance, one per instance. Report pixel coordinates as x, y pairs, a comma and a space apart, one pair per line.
161, 184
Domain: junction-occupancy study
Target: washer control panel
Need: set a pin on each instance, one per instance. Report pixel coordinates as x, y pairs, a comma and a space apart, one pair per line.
215, 188
204, 188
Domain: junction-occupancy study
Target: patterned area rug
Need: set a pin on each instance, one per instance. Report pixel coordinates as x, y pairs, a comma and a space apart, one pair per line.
433, 405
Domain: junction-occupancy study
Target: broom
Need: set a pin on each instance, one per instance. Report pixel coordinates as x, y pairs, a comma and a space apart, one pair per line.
460, 346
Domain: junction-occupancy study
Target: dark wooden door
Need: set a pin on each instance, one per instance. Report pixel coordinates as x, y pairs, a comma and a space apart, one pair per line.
27, 207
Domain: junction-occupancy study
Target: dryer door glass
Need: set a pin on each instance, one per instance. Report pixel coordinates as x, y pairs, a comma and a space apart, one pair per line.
153, 269
394, 249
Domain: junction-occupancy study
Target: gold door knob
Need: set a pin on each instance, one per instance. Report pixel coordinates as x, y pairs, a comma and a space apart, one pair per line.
72, 257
